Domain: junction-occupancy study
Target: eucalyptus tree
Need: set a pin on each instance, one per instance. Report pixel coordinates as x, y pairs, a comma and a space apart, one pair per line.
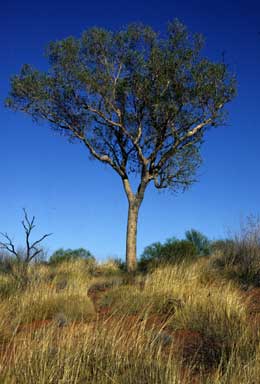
138, 101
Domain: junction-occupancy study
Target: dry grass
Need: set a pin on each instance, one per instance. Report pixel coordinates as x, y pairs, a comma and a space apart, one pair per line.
50, 332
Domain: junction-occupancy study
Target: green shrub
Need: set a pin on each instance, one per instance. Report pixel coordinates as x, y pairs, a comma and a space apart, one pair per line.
200, 241
62, 255
172, 251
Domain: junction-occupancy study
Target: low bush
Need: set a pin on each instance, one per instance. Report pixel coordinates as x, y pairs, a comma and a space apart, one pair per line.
239, 258
64, 255
171, 252
200, 241
221, 244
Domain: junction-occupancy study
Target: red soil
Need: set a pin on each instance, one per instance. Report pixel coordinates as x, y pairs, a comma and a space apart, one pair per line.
197, 348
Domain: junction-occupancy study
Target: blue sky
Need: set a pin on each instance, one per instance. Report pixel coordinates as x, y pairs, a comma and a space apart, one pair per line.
81, 201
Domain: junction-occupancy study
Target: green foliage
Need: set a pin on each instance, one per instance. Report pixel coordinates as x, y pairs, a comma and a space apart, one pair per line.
129, 95
200, 241
62, 255
172, 251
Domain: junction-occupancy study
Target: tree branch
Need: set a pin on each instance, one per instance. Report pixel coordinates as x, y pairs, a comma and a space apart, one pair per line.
167, 155
120, 125
9, 246
28, 226
66, 126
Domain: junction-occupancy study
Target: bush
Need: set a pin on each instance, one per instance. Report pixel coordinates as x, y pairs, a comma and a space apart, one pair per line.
62, 255
172, 251
239, 257
221, 245
200, 241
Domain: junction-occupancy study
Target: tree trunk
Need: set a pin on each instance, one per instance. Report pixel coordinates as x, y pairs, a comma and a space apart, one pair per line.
134, 202
133, 210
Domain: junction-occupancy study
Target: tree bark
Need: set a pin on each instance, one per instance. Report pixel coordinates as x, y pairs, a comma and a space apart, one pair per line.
133, 210
134, 203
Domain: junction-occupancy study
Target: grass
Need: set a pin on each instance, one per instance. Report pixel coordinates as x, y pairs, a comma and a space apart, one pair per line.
130, 300
49, 305
179, 324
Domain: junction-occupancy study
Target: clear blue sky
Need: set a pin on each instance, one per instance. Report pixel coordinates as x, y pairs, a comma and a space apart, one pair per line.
81, 201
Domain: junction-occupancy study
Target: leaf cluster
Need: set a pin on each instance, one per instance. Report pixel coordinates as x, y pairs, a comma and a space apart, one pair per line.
139, 101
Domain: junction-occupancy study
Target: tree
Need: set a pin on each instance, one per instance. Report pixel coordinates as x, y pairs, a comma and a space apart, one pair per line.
138, 101
32, 249
22, 257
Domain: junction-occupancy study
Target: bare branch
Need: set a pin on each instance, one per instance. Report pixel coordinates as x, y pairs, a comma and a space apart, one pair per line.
31, 249
8, 246
40, 240
66, 126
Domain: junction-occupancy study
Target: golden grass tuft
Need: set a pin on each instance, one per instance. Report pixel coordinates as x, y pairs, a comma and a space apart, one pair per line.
50, 332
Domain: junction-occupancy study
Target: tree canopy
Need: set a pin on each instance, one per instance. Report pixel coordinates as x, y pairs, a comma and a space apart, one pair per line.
132, 97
